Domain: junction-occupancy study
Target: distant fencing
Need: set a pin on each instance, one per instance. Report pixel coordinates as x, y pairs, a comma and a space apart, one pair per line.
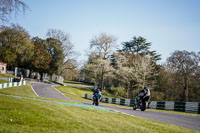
189, 107
12, 84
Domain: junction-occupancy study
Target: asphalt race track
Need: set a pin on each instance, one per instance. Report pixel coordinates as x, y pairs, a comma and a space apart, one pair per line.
191, 122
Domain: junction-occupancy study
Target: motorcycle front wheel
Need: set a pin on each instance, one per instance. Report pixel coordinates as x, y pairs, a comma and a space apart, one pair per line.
134, 106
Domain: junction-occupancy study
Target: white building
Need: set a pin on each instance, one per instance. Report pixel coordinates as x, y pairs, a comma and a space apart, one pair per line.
3, 67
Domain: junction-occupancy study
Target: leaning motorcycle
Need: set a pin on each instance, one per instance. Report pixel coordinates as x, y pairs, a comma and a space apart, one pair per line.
140, 103
96, 99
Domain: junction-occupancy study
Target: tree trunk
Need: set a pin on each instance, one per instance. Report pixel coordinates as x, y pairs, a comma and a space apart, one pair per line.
129, 95
102, 78
30, 73
186, 89
41, 76
102, 81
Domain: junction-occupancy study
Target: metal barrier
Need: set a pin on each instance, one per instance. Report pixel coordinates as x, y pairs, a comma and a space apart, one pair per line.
189, 107
12, 84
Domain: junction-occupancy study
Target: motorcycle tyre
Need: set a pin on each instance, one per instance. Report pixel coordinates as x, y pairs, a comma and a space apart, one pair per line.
143, 108
97, 102
134, 106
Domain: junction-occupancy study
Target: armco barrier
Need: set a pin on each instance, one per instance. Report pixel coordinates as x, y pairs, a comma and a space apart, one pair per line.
113, 100
122, 101
199, 109
169, 105
160, 105
189, 107
179, 106
12, 84
10, 79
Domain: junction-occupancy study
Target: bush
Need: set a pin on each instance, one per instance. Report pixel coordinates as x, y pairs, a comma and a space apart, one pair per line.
119, 91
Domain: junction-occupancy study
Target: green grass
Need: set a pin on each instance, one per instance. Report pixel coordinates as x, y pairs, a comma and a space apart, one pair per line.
3, 81
7, 75
22, 115
75, 92
24, 90
77, 83
78, 94
28, 81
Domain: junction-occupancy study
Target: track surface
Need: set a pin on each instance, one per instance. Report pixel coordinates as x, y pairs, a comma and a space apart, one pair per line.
191, 122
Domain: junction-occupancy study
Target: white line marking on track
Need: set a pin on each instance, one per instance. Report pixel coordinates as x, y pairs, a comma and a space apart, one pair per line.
59, 91
34, 91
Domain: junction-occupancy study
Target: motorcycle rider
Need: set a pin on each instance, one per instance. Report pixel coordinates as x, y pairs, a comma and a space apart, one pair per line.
96, 93
144, 94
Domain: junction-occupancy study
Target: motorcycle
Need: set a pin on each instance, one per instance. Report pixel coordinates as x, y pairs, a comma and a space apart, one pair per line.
140, 102
96, 99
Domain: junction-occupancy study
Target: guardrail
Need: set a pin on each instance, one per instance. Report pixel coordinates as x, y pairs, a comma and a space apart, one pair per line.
12, 84
189, 107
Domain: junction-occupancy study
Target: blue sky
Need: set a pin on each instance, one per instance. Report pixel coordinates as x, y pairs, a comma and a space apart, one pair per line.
169, 24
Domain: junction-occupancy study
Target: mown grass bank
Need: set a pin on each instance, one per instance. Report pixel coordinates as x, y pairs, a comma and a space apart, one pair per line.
75, 92
3, 81
26, 115
24, 90
22, 115
7, 75
75, 83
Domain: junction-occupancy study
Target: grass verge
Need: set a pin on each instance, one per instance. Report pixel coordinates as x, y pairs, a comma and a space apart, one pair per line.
3, 81
74, 92
7, 75
77, 83
24, 90
23, 115
78, 94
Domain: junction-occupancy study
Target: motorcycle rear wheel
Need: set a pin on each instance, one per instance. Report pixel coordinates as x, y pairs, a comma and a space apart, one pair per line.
97, 102
143, 107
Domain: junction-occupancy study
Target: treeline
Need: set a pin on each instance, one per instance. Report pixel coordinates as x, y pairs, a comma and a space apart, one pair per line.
127, 70
53, 55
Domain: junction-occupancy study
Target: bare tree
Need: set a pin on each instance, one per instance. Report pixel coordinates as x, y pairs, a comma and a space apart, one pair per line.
186, 64
132, 70
7, 7
103, 45
67, 46
69, 70
68, 49
100, 68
